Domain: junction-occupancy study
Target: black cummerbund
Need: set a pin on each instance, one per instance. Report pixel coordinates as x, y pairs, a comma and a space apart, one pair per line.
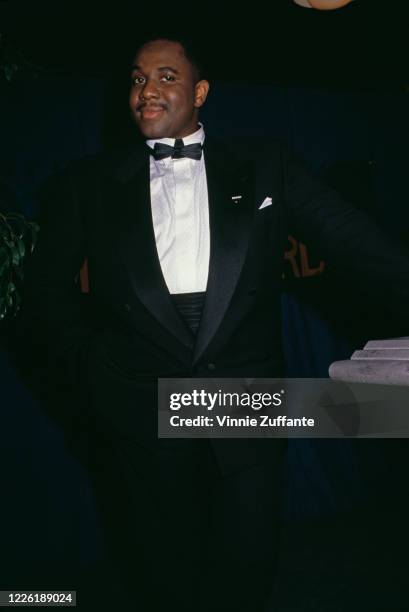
190, 306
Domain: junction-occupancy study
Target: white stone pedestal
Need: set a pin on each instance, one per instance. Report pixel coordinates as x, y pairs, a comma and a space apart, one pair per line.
383, 362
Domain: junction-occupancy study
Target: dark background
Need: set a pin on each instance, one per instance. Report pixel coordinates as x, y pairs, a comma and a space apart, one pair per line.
362, 45
334, 85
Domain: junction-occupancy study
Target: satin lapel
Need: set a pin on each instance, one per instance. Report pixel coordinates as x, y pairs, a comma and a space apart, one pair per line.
230, 221
138, 246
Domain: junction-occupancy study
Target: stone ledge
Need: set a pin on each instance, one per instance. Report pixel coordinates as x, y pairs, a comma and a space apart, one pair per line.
383, 362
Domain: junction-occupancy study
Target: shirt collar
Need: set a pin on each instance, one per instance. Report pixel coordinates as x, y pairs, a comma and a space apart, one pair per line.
197, 136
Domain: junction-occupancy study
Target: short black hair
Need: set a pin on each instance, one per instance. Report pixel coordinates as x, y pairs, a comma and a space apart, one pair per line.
191, 49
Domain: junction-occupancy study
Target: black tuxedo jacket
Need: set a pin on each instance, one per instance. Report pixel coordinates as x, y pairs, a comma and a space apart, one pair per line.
130, 332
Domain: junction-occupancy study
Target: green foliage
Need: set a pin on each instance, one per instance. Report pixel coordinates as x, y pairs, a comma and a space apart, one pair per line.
17, 237
13, 64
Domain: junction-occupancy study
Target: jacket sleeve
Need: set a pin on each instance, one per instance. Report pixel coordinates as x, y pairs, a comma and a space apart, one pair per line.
52, 309
350, 241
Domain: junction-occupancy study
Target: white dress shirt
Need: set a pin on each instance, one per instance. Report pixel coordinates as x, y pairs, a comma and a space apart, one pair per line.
180, 213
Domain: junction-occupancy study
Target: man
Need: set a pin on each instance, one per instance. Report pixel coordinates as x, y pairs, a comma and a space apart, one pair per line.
184, 241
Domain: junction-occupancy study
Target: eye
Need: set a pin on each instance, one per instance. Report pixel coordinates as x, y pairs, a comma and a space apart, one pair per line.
168, 77
138, 80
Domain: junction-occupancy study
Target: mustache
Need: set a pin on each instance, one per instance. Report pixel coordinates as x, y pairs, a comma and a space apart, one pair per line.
142, 105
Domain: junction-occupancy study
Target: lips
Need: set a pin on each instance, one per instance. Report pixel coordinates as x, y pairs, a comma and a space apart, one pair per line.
150, 112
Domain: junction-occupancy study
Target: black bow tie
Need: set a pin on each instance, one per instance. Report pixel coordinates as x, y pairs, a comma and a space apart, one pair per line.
160, 150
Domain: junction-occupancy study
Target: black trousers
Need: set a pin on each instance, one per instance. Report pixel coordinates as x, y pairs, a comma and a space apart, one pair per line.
190, 525
182, 534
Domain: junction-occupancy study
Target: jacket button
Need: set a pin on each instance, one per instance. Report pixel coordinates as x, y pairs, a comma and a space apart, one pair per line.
127, 307
211, 366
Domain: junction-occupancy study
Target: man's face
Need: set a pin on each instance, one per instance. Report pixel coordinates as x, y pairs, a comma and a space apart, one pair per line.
164, 99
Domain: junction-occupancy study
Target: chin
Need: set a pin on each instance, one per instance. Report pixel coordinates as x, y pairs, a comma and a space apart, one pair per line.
153, 131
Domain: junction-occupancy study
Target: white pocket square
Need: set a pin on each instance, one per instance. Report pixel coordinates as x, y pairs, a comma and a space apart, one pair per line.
267, 202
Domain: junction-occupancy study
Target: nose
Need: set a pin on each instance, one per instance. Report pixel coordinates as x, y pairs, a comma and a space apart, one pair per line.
149, 90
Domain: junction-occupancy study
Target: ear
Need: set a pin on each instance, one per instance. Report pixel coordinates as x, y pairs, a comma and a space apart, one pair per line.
201, 91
